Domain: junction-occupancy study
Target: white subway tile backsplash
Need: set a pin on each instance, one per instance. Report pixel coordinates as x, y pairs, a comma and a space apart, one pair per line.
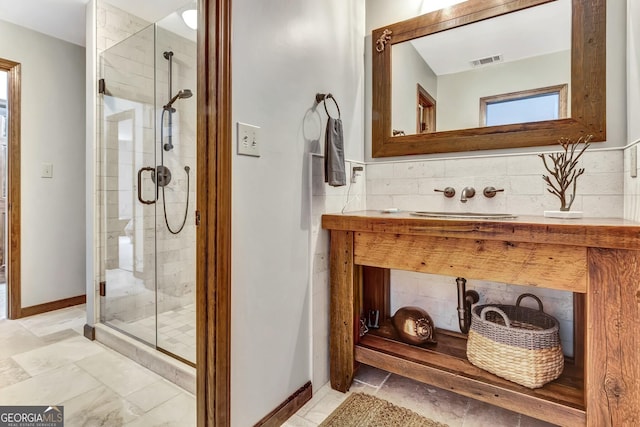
595, 162
416, 203
392, 186
418, 169
602, 206
377, 202
380, 171
602, 183
472, 167
525, 165
524, 185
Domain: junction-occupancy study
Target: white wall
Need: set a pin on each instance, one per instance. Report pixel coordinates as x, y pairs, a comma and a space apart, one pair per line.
459, 93
633, 70
53, 131
407, 70
283, 53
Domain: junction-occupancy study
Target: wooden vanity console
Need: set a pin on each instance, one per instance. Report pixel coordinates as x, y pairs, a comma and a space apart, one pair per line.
596, 259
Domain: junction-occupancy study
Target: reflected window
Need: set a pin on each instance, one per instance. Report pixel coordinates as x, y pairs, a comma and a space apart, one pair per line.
535, 105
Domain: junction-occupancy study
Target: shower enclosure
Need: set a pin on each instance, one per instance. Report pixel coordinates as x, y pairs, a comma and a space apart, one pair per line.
147, 147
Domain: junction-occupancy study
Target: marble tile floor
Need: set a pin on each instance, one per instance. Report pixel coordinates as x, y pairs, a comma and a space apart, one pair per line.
432, 402
45, 360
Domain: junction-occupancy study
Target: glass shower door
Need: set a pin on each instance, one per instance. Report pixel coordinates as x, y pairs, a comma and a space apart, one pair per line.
176, 231
127, 191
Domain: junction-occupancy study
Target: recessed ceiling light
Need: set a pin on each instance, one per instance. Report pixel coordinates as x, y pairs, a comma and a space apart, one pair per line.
190, 17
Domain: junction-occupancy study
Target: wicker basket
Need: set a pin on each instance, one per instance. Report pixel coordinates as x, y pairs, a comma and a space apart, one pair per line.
516, 343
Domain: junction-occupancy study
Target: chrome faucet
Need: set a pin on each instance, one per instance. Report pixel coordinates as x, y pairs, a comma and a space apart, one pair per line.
467, 192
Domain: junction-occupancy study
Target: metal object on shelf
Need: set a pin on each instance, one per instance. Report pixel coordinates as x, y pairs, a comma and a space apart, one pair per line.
414, 326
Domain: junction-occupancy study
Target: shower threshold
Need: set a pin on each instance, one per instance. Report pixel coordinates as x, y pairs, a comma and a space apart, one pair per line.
159, 361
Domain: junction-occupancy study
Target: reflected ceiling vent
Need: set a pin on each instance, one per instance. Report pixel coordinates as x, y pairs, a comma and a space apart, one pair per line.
486, 61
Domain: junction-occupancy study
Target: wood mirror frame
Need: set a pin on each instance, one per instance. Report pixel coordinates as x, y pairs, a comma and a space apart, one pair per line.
588, 78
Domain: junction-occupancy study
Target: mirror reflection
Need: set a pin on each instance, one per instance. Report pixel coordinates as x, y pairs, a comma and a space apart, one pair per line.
514, 68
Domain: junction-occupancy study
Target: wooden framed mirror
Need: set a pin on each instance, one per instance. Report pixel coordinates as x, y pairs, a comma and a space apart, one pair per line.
585, 65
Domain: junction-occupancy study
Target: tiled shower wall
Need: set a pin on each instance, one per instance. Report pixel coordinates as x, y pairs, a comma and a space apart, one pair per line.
410, 186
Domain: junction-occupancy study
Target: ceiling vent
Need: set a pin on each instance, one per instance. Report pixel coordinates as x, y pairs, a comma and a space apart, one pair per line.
486, 61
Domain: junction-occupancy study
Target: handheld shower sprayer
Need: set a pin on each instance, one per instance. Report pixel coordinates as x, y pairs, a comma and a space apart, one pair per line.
182, 94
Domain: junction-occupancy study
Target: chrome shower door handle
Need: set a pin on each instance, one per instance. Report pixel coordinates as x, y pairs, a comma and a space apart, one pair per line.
140, 198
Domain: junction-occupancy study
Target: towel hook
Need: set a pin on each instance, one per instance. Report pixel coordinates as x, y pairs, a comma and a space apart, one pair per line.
322, 97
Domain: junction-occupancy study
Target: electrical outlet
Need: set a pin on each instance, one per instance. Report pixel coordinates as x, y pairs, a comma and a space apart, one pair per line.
47, 170
248, 140
356, 171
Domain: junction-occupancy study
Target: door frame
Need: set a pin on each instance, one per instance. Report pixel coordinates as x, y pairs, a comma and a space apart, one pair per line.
14, 298
213, 236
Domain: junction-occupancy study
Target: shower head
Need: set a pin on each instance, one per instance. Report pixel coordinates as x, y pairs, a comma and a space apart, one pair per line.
184, 93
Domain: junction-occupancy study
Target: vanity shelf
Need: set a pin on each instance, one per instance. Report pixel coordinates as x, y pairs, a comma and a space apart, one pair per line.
598, 260
445, 365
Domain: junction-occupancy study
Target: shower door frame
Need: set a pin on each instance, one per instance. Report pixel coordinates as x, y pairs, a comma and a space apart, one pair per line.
213, 206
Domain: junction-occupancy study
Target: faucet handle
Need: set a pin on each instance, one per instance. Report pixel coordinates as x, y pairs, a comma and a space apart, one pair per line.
448, 191
491, 191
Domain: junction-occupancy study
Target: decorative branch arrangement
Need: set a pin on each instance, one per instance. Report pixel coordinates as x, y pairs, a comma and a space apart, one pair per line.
562, 168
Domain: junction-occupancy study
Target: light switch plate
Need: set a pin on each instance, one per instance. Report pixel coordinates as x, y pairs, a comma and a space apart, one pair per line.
47, 170
248, 140
634, 161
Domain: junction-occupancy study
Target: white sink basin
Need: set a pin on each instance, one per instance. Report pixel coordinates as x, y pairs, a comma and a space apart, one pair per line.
464, 215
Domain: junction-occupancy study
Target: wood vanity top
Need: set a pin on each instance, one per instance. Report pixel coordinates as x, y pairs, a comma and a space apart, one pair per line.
613, 233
